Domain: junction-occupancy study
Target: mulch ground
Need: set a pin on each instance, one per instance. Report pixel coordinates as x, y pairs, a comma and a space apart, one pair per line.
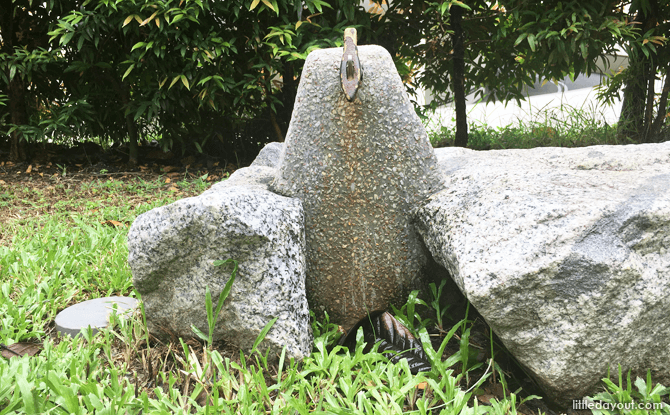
56, 173
95, 164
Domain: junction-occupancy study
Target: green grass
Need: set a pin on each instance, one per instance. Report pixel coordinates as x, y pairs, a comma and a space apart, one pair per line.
564, 126
67, 244
621, 398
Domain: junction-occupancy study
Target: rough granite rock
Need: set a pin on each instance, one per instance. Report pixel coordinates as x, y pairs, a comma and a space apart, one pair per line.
565, 253
359, 169
269, 155
172, 248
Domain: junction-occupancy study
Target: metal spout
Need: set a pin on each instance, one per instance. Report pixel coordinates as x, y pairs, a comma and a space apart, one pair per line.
350, 69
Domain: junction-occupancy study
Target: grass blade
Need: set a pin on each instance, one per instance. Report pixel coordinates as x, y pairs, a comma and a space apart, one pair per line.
262, 334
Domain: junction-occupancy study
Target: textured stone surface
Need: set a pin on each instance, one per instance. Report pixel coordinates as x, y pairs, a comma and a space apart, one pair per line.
252, 177
359, 168
269, 155
172, 248
566, 254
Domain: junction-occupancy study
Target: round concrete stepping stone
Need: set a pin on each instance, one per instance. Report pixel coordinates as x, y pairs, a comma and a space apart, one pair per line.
94, 313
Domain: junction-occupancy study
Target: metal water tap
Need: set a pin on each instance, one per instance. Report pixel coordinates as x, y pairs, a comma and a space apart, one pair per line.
350, 68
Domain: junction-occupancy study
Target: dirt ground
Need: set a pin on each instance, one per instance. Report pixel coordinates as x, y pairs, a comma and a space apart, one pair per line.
57, 174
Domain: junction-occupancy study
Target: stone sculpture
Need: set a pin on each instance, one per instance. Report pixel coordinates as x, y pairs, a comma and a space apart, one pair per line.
359, 168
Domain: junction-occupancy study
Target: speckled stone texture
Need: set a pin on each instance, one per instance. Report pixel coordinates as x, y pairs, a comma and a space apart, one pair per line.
269, 155
359, 169
565, 253
172, 248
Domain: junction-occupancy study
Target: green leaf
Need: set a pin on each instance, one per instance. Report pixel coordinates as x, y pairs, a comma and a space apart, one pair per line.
148, 19
65, 395
137, 45
65, 39
585, 49
204, 80
199, 333
177, 18
128, 20
185, 81
520, 38
174, 81
229, 284
646, 52
130, 68
263, 333
531, 42
641, 386
276, 6
141, 109
27, 395
461, 4
254, 4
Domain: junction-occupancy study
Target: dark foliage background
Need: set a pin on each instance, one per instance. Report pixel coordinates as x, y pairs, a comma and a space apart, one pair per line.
220, 77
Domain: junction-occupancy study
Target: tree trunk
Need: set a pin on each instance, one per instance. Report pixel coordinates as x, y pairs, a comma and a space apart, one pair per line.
132, 139
288, 92
273, 116
17, 111
649, 109
631, 120
635, 118
131, 126
661, 114
273, 120
458, 78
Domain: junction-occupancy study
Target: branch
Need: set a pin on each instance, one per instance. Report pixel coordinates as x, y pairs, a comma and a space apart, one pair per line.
650, 93
273, 118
